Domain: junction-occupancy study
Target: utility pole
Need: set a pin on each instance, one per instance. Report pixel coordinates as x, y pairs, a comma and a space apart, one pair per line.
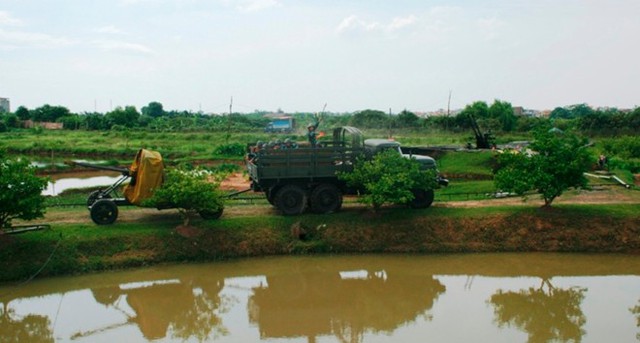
228, 134
449, 104
390, 121
448, 112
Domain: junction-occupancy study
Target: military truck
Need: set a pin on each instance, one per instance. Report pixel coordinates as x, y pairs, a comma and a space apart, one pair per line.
294, 179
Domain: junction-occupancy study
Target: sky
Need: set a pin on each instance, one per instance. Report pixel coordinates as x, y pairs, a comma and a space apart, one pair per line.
299, 55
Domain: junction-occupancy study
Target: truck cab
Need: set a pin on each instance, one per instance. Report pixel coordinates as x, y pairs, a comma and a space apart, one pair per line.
373, 146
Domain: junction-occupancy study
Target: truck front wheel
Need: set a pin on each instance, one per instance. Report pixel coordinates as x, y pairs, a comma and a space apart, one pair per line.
291, 200
422, 198
325, 198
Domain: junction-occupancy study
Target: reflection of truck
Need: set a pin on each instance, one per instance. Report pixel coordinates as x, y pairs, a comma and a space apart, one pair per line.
295, 178
284, 124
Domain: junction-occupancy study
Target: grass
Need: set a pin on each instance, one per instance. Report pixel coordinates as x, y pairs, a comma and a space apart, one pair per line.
471, 164
459, 190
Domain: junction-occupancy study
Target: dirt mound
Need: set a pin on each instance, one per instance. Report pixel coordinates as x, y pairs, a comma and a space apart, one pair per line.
235, 182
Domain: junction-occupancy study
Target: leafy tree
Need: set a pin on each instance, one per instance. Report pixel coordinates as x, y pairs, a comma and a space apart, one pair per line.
23, 113
154, 110
127, 116
478, 110
95, 121
11, 120
560, 112
20, 191
48, 113
503, 112
389, 178
72, 122
370, 118
408, 119
188, 191
557, 163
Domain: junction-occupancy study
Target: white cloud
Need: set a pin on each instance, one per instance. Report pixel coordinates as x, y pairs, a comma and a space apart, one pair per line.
399, 23
8, 20
110, 29
256, 5
354, 23
126, 47
18, 39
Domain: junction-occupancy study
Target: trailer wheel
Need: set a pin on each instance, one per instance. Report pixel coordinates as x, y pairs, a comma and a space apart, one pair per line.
95, 196
290, 200
104, 212
211, 215
325, 198
422, 198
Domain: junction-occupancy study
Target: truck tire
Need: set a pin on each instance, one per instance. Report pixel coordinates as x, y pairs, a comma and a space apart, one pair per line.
291, 200
422, 198
270, 194
104, 212
326, 198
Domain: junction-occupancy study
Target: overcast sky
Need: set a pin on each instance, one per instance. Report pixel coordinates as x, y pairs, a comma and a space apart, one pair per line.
298, 55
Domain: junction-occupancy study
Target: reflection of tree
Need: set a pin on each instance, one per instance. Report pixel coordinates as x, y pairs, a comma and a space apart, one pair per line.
187, 308
199, 319
636, 311
549, 315
316, 303
31, 328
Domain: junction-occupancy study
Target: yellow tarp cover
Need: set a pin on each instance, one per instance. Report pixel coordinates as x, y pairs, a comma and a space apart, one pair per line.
146, 176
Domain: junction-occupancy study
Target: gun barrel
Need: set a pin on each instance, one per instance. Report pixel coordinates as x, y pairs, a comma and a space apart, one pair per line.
124, 171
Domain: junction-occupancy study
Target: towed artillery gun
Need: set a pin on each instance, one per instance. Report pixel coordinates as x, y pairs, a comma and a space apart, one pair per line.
145, 175
294, 179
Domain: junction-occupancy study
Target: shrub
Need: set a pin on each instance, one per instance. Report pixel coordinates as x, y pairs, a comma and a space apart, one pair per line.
231, 149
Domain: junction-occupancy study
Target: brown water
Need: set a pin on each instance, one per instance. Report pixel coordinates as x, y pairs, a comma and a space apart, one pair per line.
398, 298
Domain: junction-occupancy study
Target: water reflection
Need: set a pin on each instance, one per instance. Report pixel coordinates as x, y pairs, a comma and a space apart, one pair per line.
345, 304
636, 311
29, 328
60, 185
184, 308
551, 314
338, 299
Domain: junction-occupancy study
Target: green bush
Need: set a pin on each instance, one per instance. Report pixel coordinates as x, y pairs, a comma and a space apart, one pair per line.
232, 149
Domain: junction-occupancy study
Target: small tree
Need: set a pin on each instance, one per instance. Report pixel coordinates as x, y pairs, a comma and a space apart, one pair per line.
389, 178
557, 163
20, 191
188, 191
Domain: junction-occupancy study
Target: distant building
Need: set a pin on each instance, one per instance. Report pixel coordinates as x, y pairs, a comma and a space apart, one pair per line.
523, 112
5, 106
45, 125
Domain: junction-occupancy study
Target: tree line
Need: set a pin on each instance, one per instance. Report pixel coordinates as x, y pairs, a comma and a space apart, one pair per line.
498, 116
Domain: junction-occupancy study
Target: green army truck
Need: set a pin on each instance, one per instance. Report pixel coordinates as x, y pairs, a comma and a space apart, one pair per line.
294, 179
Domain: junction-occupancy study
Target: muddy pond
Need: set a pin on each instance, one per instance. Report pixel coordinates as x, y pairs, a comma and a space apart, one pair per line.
370, 298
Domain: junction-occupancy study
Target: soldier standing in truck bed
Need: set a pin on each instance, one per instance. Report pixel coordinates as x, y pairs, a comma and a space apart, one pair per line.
312, 134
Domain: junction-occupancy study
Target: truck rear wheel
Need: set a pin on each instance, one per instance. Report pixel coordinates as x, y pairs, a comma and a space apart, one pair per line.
422, 198
270, 194
325, 198
291, 199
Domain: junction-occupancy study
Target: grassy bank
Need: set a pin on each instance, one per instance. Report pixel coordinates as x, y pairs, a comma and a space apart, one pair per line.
84, 247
